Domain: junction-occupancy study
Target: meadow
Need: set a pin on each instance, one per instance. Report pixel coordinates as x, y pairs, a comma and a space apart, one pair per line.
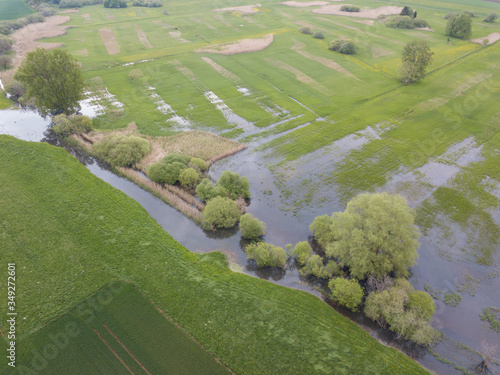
71, 234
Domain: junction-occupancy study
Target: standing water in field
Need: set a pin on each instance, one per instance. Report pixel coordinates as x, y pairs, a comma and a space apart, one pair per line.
457, 323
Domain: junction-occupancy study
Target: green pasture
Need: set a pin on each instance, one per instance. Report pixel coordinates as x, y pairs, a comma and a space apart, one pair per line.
13, 9
115, 329
71, 234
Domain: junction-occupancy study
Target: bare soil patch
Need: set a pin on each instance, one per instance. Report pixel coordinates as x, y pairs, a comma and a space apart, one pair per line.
302, 23
177, 36
25, 40
300, 4
223, 71
379, 52
109, 40
248, 9
424, 28
86, 18
302, 77
365, 22
299, 48
142, 36
75, 10
492, 38
241, 46
334, 9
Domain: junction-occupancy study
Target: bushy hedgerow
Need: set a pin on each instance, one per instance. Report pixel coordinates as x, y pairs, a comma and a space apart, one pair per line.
346, 292
405, 22
300, 252
449, 15
266, 255
306, 30
35, 18
70, 4
65, 125
251, 228
121, 150
349, 8
5, 61
114, 3
221, 212
147, 3
168, 170
46, 10
318, 35
345, 46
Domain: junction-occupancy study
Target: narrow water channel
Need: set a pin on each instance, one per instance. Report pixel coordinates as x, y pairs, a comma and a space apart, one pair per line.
283, 228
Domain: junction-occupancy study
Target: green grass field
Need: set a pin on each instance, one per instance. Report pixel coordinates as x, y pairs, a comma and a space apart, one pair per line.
71, 234
113, 330
13, 9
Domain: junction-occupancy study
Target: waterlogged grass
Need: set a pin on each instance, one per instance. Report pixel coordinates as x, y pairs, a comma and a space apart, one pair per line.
115, 329
70, 234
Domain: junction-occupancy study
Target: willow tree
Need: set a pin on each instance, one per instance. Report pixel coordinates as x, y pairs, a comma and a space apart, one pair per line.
54, 79
374, 236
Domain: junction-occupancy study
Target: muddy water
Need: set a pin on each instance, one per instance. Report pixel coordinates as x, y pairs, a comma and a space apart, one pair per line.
458, 324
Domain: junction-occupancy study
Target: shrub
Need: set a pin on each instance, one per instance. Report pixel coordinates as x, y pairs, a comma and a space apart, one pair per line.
122, 150
301, 252
148, 3
189, 177
345, 46
469, 13
198, 164
405, 22
114, 3
235, 185
381, 17
206, 190
15, 89
35, 18
251, 228
46, 10
5, 61
70, 4
165, 12
66, 125
221, 212
449, 15
318, 35
459, 26
490, 17
5, 45
166, 173
349, 8
422, 304
306, 30
314, 267
346, 292
266, 255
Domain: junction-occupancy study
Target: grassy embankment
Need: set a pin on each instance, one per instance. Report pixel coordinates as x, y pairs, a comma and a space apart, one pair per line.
70, 234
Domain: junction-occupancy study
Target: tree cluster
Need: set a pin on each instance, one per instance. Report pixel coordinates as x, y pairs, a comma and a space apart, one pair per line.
349, 8
122, 150
115, 4
344, 46
147, 3
405, 22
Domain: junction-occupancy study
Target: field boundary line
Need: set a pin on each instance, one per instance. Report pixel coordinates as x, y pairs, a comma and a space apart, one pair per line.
115, 353
126, 349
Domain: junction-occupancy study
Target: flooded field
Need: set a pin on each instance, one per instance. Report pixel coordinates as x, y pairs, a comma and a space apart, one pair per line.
463, 330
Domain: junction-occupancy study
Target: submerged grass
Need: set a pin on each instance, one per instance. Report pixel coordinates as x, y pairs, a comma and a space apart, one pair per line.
70, 234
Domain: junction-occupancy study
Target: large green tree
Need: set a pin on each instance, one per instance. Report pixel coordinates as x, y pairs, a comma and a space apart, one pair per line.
54, 79
459, 26
374, 236
416, 57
